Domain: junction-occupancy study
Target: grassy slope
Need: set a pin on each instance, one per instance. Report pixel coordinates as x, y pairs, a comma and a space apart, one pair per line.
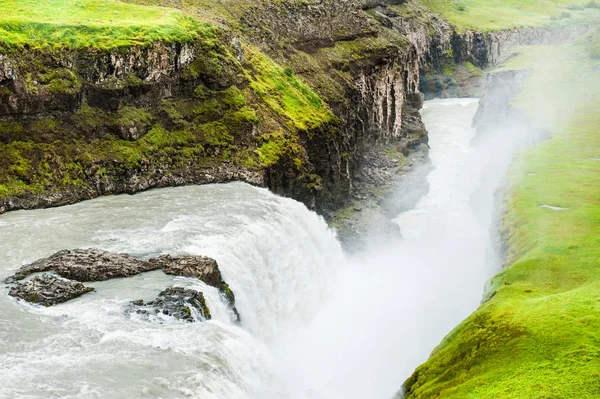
103, 24
486, 15
538, 336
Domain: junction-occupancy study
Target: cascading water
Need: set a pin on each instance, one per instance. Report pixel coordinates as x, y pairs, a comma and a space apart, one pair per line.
279, 258
314, 324
395, 302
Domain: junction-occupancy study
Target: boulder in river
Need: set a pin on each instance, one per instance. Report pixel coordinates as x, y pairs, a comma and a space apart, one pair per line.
87, 265
201, 267
178, 302
48, 290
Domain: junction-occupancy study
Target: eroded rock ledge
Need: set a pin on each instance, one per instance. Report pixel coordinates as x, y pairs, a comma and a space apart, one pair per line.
177, 302
75, 267
85, 265
48, 290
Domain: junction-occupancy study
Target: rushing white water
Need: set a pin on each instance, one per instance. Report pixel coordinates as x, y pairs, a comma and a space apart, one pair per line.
396, 302
279, 259
315, 325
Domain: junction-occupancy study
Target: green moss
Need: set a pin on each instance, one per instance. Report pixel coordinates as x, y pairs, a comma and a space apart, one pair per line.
131, 116
285, 94
231, 97
30, 84
214, 57
473, 69
88, 118
215, 134
160, 137
10, 131
61, 81
447, 64
280, 146
343, 53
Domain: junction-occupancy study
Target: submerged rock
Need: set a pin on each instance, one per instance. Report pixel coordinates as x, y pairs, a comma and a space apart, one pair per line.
178, 302
201, 267
48, 290
87, 265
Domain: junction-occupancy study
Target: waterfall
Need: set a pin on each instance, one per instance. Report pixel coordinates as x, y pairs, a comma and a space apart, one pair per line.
315, 323
279, 258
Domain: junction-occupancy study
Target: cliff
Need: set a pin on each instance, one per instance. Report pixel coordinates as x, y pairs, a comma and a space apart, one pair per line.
286, 95
299, 97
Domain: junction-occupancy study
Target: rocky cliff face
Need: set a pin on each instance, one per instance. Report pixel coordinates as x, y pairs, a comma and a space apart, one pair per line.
78, 124
291, 95
444, 74
364, 66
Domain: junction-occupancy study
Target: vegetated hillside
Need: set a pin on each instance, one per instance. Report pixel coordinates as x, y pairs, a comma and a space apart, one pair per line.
100, 97
536, 334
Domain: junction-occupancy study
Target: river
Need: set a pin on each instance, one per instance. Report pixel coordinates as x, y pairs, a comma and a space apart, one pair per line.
316, 323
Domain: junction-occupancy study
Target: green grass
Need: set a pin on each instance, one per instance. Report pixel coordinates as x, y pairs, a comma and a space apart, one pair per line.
537, 337
102, 24
488, 15
473, 69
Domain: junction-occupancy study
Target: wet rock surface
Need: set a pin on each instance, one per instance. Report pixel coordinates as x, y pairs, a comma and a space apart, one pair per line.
387, 184
87, 265
177, 302
84, 265
203, 268
48, 290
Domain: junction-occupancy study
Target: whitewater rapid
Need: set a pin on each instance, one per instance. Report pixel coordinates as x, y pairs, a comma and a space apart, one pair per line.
315, 323
279, 258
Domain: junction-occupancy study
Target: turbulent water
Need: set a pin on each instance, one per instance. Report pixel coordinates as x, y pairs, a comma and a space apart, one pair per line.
315, 324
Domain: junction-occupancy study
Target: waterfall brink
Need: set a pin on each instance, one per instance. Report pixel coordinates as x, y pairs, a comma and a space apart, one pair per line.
279, 258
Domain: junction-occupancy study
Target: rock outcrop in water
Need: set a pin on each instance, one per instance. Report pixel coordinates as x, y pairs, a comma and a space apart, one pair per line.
86, 265
177, 302
48, 290
201, 267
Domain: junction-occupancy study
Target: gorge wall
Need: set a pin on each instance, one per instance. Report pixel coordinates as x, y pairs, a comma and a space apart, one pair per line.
288, 95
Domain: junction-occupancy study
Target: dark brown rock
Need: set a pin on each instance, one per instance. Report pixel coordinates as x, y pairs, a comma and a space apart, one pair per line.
201, 267
178, 302
87, 265
48, 290
96, 265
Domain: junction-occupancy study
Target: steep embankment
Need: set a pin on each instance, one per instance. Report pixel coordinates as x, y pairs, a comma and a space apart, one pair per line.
535, 336
110, 97
108, 109
101, 97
